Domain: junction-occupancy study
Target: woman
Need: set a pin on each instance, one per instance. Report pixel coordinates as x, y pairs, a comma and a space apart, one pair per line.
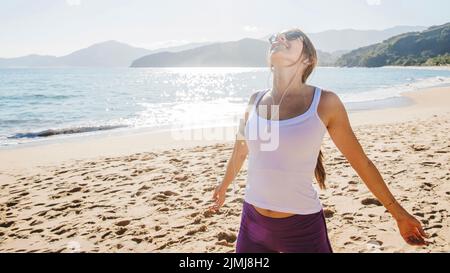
281, 209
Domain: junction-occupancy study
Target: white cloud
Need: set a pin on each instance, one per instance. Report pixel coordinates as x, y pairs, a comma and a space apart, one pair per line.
73, 2
250, 28
373, 2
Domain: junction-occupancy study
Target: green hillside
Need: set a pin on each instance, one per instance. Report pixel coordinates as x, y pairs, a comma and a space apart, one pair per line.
429, 47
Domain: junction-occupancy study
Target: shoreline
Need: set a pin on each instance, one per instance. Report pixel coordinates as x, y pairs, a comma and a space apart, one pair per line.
432, 67
352, 107
410, 106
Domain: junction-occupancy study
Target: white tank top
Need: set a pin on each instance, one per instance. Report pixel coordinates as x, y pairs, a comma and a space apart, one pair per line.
280, 173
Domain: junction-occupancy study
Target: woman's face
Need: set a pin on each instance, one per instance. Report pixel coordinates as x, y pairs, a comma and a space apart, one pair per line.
284, 52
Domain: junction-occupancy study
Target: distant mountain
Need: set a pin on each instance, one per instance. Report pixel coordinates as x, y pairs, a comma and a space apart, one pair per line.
243, 53
246, 53
330, 46
181, 47
105, 54
349, 39
414, 48
29, 61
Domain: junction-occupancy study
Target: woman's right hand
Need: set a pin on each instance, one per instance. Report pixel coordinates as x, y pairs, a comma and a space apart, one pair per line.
218, 197
411, 230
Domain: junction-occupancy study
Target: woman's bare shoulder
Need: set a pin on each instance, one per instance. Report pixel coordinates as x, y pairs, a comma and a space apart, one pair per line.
330, 105
329, 97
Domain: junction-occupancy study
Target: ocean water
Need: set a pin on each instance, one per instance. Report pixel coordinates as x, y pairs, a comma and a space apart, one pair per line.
47, 103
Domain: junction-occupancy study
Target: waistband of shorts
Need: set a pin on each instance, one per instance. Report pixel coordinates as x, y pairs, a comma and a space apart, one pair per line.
280, 223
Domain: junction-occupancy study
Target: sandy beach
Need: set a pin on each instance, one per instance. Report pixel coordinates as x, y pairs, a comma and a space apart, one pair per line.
148, 193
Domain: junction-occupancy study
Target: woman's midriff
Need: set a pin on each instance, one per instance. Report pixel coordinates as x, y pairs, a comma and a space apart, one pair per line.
272, 213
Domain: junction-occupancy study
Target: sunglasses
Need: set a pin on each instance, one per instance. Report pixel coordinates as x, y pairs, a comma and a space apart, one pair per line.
290, 36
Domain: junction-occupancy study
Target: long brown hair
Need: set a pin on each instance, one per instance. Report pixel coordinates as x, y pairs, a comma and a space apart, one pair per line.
309, 52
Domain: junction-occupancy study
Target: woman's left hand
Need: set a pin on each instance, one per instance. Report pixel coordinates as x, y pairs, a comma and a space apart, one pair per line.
411, 230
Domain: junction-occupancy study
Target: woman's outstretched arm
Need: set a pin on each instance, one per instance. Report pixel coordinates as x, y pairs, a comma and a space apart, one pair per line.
234, 165
345, 140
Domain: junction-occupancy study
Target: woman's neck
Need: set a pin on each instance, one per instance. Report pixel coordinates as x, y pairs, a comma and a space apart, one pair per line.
286, 81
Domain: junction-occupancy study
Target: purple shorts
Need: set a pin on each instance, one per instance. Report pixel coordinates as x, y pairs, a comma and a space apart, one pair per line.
297, 233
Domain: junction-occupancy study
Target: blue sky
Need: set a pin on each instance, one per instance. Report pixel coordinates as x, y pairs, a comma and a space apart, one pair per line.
58, 27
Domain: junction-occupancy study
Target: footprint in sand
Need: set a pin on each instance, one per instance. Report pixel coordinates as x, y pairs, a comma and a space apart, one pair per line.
123, 223
6, 224
137, 240
106, 234
160, 197
36, 231
418, 147
170, 193
35, 222
356, 238
175, 160
121, 231
181, 177
76, 189
371, 201
226, 238
202, 228
328, 213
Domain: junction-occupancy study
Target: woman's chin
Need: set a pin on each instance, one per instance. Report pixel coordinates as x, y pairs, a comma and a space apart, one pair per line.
277, 56
277, 60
